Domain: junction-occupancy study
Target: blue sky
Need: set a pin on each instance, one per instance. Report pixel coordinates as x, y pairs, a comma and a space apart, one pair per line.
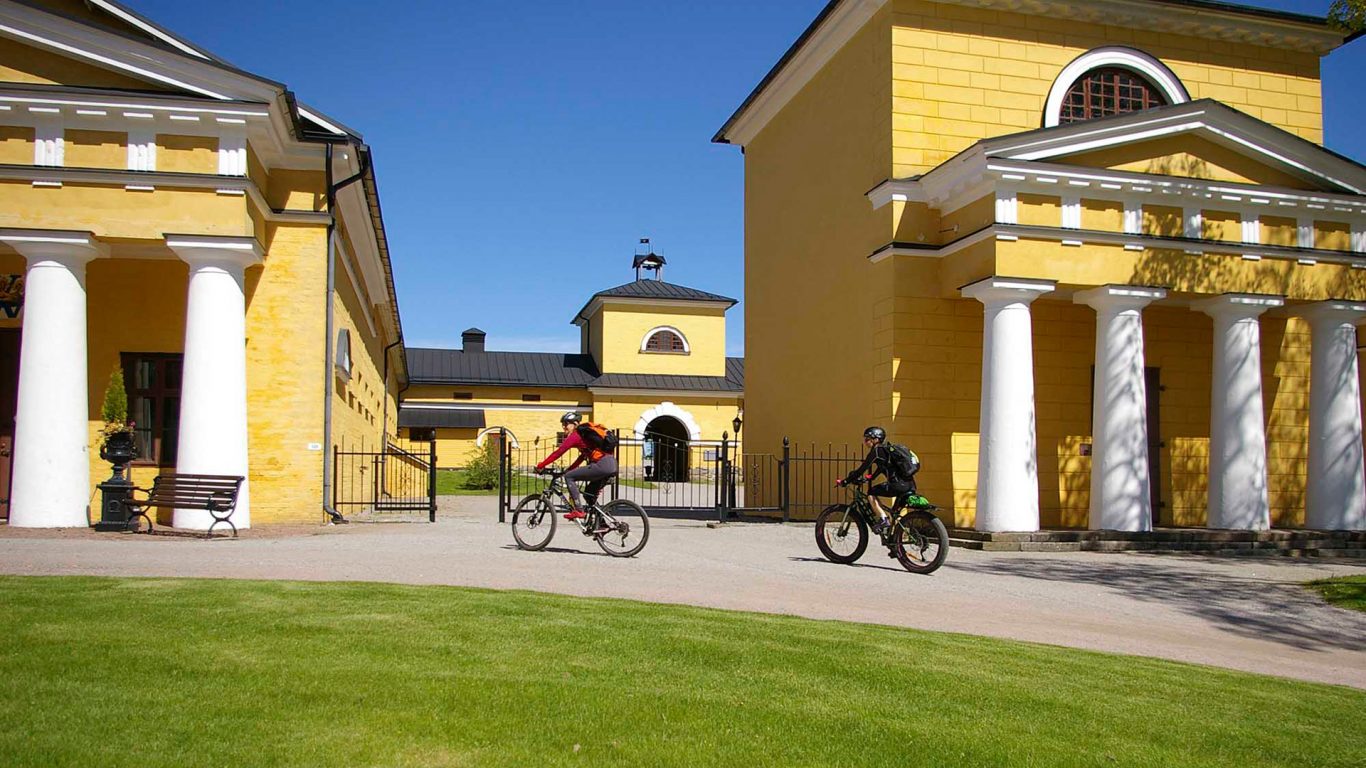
523, 149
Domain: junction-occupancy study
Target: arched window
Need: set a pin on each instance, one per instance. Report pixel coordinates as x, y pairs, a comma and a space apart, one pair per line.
1111, 81
1108, 91
665, 339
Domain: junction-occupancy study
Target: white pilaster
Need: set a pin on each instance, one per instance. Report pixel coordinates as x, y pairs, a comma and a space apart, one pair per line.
51, 478
49, 142
1007, 206
1133, 217
142, 149
1007, 459
1121, 499
1252, 228
1237, 446
1304, 232
1071, 212
1336, 496
213, 389
1194, 222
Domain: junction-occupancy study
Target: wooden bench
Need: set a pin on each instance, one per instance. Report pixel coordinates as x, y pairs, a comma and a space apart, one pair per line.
216, 494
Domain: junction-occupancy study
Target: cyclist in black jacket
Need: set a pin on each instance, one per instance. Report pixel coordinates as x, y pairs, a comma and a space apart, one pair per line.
881, 461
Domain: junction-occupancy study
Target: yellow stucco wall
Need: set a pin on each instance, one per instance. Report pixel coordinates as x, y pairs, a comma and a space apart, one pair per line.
811, 356
963, 74
95, 149
16, 145
958, 75
113, 212
1189, 157
187, 154
136, 298
624, 326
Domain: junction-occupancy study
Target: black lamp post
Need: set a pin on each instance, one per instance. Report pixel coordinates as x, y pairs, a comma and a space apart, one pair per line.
737, 422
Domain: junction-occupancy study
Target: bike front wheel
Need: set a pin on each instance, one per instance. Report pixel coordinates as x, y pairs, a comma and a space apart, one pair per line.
533, 523
628, 528
922, 542
841, 534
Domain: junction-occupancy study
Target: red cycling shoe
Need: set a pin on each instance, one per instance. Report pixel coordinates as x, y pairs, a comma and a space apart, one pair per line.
575, 514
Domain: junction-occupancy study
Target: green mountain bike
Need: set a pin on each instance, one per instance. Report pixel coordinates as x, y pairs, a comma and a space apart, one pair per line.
620, 527
916, 538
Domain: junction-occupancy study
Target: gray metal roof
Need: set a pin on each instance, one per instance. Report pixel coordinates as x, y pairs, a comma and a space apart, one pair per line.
550, 369
733, 381
654, 289
443, 418
531, 369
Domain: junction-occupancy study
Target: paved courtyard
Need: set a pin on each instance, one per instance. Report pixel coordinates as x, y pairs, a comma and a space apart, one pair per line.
1242, 613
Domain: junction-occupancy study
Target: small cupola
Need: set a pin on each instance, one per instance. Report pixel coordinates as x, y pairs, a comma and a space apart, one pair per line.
648, 261
472, 340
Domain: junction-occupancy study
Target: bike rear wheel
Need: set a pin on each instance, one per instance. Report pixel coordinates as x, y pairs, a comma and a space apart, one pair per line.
533, 523
841, 534
629, 528
922, 542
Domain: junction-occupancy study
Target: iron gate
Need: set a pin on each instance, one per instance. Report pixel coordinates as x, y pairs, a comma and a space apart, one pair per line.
392, 483
674, 478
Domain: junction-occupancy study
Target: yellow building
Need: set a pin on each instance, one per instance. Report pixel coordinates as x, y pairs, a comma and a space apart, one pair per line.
652, 363
199, 228
1089, 259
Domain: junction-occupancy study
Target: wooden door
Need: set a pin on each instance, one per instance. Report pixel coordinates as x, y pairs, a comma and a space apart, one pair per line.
9, 398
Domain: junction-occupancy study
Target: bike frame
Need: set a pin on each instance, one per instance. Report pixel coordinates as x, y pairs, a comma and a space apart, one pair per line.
864, 508
558, 489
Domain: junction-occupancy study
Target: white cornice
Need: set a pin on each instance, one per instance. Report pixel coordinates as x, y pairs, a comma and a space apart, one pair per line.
1132, 242
1104, 184
130, 57
151, 29
1010, 161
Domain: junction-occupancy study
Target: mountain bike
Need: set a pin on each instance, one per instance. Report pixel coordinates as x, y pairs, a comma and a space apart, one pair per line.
916, 537
620, 527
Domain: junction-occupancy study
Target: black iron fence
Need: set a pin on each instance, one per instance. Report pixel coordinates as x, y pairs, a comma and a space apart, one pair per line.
393, 482
673, 477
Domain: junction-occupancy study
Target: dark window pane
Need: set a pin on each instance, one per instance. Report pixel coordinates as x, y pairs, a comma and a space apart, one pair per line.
171, 374
1105, 92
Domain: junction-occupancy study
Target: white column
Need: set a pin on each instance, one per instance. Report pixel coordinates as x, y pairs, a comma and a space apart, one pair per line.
1007, 460
1121, 498
213, 389
1237, 444
51, 479
1336, 498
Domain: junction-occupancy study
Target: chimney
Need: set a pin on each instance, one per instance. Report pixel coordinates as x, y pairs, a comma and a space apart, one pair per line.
472, 340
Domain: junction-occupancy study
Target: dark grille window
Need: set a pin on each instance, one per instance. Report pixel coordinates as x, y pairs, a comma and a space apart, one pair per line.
665, 341
462, 396
531, 398
1110, 91
153, 384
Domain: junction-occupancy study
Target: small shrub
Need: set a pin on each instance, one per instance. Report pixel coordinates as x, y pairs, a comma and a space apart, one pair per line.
114, 410
482, 471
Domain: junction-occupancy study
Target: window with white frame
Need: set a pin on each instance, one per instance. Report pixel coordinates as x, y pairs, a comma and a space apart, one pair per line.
665, 340
1107, 81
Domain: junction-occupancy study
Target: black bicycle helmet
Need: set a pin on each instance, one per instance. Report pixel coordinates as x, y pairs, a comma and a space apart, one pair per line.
875, 433
570, 417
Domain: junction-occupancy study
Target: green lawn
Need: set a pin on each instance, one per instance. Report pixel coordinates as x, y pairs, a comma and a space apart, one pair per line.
1345, 591
159, 672
451, 482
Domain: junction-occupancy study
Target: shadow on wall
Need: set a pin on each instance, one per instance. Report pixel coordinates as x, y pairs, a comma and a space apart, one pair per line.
1261, 608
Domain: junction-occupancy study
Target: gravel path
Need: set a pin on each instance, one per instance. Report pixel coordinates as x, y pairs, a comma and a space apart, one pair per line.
1241, 613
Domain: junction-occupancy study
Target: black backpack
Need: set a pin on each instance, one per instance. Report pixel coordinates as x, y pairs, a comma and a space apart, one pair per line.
598, 437
902, 461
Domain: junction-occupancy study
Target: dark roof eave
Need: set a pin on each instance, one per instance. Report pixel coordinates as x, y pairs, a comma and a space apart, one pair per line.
495, 383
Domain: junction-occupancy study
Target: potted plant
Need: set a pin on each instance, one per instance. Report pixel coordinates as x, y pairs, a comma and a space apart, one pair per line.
117, 445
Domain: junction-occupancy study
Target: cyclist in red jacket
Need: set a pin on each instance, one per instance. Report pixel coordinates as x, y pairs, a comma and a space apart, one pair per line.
602, 465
